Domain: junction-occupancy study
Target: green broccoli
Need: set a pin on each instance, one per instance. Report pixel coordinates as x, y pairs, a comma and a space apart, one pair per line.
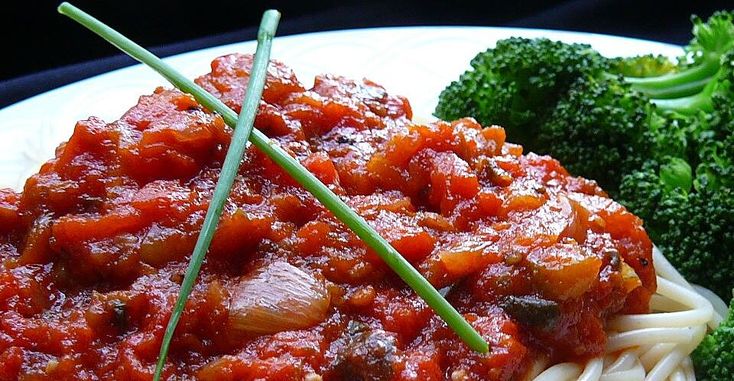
517, 84
642, 66
657, 183
520, 83
685, 194
612, 121
711, 40
689, 214
713, 360
641, 191
717, 92
699, 240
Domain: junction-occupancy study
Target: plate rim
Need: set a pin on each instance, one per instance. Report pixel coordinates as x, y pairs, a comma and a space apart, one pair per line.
519, 30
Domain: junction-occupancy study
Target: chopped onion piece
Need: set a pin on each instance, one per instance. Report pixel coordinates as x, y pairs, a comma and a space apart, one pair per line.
276, 298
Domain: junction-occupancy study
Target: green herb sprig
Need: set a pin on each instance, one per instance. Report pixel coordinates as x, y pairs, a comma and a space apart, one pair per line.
242, 130
305, 178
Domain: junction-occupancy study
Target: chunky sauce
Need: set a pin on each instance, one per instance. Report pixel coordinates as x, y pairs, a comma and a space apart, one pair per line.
93, 250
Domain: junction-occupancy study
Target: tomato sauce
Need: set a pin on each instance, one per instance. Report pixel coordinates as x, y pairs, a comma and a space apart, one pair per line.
93, 250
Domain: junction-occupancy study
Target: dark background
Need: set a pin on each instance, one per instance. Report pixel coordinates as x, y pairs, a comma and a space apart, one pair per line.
44, 50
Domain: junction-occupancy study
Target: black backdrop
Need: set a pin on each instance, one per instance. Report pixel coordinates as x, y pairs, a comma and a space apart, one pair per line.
44, 50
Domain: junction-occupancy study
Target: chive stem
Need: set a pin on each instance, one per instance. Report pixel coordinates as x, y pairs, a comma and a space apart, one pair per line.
240, 136
242, 130
320, 191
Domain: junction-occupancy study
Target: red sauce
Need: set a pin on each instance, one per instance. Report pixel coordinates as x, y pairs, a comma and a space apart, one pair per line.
93, 250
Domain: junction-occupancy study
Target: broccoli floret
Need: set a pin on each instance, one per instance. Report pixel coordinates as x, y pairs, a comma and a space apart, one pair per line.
722, 97
696, 236
688, 215
517, 83
717, 163
673, 136
659, 182
611, 121
713, 360
643, 66
641, 192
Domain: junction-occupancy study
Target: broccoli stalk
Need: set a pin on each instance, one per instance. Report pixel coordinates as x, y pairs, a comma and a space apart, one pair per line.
718, 85
712, 39
704, 101
680, 84
691, 90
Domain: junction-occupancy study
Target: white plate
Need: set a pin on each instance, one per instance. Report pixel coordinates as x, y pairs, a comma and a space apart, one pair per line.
413, 61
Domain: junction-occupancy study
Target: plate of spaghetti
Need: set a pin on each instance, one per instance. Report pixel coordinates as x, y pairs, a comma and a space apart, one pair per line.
108, 182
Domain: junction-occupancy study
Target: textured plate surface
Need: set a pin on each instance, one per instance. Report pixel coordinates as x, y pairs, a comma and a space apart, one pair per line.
417, 62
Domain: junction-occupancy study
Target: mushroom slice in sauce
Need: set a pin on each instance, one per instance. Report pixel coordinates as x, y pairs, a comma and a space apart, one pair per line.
366, 354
